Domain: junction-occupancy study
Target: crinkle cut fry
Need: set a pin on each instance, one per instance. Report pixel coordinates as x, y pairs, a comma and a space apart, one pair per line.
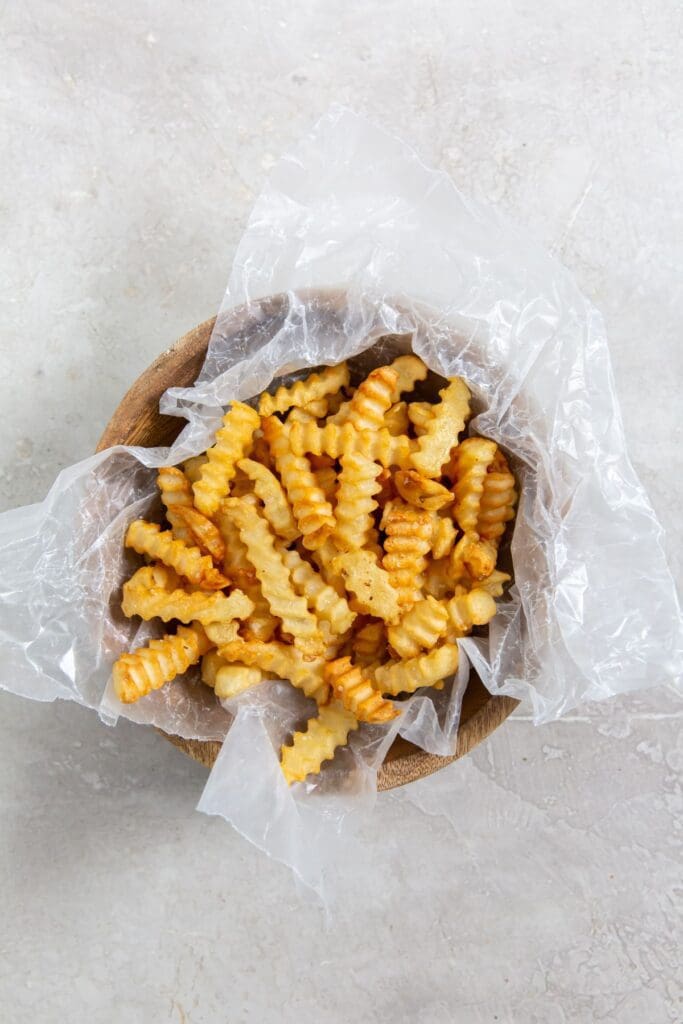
370, 584
474, 608
203, 532
420, 629
143, 596
322, 599
280, 661
261, 624
175, 490
277, 587
369, 644
232, 441
471, 460
228, 680
276, 508
323, 736
442, 429
149, 539
335, 441
312, 511
316, 386
497, 502
358, 483
408, 538
355, 692
149, 668
372, 399
425, 670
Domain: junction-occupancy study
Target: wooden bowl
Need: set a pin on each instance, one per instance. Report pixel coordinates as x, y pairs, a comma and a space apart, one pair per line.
137, 421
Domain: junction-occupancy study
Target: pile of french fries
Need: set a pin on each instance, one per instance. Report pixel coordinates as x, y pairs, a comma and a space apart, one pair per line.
339, 538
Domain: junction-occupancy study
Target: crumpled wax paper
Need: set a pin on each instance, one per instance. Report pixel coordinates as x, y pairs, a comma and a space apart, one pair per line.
354, 239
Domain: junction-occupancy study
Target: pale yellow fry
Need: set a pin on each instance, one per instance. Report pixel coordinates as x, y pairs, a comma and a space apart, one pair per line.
275, 505
273, 575
175, 490
419, 414
471, 460
369, 582
473, 608
335, 441
396, 419
228, 680
149, 668
425, 670
232, 440
443, 535
203, 532
193, 468
358, 483
280, 661
323, 736
317, 408
148, 539
312, 512
144, 597
409, 370
443, 429
328, 605
327, 382
419, 491
261, 624
221, 633
356, 693
408, 538
420, 628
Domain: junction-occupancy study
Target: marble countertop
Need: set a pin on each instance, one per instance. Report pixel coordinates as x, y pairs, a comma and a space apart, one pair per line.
539, 879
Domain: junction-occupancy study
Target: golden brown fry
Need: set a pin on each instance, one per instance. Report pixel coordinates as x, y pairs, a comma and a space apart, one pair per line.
335, 441
146, 595
280, 661
175, 491
425, 670
317, 385
472, 559
275, 505
420, 628
149, 539
323, 736
443, 428
471, 460
497, 502
203, 532
137, 674
355, 502
290, 608
419, 491
232, 440
495, 583
312, 512
373, 399
396, 419
472, 608
355, 692
369, 582
408, 540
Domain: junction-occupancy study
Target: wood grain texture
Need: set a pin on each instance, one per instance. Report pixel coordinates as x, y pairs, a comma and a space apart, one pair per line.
137, 421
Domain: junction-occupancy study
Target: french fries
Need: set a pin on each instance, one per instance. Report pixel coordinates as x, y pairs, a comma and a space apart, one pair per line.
341, 539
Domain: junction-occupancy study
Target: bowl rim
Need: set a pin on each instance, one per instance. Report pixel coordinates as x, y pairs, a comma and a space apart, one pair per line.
138, 411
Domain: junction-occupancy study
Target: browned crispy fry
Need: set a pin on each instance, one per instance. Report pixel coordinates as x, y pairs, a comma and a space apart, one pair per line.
355, 692
148, 668
203, 532
148, 539
408, 540
419, 491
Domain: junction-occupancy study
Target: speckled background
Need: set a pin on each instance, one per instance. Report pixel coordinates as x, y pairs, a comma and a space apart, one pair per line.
537, 882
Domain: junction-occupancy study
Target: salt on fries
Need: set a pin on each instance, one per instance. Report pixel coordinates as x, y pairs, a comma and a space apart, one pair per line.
342, 539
